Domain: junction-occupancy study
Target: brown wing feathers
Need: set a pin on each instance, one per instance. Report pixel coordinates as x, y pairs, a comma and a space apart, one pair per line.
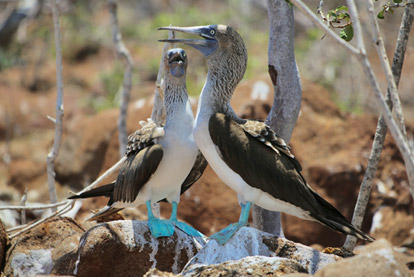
136, 172
143, 158
272, 169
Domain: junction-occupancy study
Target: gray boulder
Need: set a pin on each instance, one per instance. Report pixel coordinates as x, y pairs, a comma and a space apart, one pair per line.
249, 242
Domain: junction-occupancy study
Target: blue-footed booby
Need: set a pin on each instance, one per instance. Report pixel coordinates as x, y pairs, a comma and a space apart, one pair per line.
159, 158
246, 154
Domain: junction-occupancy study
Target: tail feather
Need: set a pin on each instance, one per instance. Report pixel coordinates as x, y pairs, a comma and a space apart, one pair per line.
343, 226
105, 190
328, 215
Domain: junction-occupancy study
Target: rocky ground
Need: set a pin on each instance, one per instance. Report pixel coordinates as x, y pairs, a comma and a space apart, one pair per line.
332, 146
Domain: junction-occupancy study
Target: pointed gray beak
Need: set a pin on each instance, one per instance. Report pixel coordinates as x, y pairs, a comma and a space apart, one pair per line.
206, 46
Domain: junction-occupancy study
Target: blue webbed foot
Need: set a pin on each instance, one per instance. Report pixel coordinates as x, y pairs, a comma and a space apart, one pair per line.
183, 226
188, 229
224, 235
160, 228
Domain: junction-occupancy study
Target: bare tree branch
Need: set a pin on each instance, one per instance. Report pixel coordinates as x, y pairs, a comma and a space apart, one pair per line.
59, 109
62, 211
361, 55
379, 45
34, 207
123, 54
399, 137
378, 143
68, 204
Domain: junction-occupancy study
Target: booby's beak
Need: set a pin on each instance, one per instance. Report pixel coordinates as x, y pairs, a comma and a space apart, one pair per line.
177, 60
206, 46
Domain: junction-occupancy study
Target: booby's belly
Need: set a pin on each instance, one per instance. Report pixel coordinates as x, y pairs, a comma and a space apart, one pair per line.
236, 182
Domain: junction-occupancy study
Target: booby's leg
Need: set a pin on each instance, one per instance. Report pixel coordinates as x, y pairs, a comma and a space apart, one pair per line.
183, 226
158, 227
224, 235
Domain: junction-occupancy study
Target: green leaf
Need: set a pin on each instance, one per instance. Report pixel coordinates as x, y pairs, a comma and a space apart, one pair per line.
343, 8
397, 1
381, 14
347, 33
331, 15
344, 15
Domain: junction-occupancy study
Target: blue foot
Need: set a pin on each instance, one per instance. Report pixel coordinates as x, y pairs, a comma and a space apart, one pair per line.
224, 235
183, 226
160, 228
188, 229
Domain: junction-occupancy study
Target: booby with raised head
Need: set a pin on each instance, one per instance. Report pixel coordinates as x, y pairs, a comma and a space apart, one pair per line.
159, 158
246, 154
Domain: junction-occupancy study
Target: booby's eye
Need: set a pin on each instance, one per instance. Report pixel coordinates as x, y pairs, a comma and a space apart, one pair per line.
212, 32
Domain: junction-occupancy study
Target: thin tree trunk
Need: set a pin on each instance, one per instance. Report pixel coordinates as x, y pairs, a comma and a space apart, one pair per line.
285, 77
59, 110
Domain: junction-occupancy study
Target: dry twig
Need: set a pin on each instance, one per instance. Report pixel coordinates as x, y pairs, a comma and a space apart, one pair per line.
68, 204
59, 109
34, 207
62, 211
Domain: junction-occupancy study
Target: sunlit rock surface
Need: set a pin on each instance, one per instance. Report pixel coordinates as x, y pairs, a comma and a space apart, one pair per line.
376, 259
252, 242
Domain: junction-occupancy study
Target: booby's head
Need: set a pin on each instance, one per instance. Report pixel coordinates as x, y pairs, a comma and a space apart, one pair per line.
175, 62
221, 45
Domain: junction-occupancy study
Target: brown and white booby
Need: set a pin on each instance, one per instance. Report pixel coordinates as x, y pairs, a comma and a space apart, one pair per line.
246, 154
159, 158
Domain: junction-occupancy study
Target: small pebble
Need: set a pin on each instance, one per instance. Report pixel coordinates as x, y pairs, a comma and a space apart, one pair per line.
249, 271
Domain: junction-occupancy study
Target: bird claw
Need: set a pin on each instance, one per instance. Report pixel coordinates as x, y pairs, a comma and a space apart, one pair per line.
224, 235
